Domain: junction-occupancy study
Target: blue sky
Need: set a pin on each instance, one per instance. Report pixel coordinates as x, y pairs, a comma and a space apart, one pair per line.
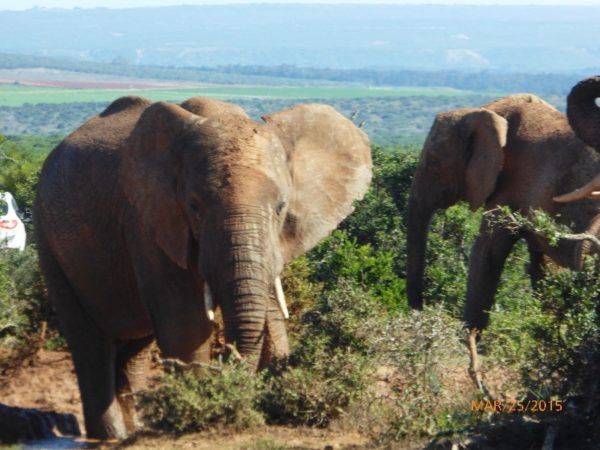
26, 4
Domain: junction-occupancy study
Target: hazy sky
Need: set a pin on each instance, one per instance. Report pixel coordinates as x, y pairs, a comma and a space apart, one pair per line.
26, 4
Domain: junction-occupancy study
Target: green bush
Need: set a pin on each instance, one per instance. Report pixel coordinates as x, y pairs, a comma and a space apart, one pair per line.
22, 292
197, 400
414, 350
22, 295
451, 236
383, 210
340, 256
20, 168
379, 219
565, 363
316, 394
326, 373
300, 291
328, 369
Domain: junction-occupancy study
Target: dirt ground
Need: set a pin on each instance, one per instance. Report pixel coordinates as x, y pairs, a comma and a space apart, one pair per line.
47, 382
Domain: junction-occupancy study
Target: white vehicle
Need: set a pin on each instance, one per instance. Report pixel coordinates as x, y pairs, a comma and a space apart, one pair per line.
12, 230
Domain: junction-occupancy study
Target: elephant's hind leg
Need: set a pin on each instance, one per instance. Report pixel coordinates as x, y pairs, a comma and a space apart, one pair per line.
94, 355
133, 362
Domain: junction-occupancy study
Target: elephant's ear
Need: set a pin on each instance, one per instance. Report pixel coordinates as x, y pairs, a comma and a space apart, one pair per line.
485, 134
329, 160
148, 176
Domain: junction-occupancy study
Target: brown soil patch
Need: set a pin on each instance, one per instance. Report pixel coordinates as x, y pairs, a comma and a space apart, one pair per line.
46, 382
265, 438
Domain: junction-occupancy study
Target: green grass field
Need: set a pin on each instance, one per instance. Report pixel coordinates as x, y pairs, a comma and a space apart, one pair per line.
14, 95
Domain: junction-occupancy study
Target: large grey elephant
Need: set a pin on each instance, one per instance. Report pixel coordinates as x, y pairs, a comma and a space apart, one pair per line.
519, 152
151, 215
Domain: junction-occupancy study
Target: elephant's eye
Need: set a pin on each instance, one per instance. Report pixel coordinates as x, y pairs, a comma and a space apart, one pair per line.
279, 207
194, 207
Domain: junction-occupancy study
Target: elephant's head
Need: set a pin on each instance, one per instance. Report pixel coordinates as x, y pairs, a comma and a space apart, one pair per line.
461, 160
234, 199
583, 111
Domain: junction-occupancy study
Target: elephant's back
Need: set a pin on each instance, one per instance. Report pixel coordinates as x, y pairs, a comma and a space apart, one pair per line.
543, 159
79, 206
82, 169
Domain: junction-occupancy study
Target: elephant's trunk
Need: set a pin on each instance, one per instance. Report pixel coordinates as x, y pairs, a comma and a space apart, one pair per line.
419, 217
246, 283
584, 113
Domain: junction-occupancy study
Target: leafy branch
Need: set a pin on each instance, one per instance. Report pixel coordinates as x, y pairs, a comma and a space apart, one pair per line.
539, 222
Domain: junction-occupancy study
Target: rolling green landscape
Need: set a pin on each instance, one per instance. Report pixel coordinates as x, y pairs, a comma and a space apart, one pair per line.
14, 96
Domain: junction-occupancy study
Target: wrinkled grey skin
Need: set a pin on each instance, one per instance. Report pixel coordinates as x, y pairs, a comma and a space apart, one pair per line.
145, 206
518, 152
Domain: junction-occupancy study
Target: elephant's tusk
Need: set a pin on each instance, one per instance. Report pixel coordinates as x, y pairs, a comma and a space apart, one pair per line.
209, 305
281, 298
587, 191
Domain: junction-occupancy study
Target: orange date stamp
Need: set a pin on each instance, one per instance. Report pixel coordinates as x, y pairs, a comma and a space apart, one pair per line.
518, 406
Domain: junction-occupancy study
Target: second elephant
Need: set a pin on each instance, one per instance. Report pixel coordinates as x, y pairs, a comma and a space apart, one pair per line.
519, 152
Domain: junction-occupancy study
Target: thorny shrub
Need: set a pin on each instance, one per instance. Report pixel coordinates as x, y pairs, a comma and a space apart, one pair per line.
565, 364
196, 400
22, 295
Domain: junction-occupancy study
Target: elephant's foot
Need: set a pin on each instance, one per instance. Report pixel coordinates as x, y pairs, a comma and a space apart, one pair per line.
475, 365
131, 419
109, 426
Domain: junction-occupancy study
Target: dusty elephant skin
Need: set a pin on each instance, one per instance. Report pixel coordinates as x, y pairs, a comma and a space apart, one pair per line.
517, 151
149, 215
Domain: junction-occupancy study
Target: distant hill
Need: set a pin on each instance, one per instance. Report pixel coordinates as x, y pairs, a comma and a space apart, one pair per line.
432, 38
25, 67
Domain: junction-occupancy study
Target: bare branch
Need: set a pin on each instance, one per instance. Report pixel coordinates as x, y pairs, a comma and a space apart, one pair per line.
582, 237
174, 363
540, 222
3, 155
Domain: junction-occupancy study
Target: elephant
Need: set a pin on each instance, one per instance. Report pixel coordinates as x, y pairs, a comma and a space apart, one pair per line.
519, 152
151, 215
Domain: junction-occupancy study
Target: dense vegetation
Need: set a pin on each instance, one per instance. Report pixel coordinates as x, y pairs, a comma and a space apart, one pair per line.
388, 121
359, 356
483, 80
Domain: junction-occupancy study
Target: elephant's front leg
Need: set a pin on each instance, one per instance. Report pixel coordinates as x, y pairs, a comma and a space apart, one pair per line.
488, 256
133, 363
175, 301
183, 329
